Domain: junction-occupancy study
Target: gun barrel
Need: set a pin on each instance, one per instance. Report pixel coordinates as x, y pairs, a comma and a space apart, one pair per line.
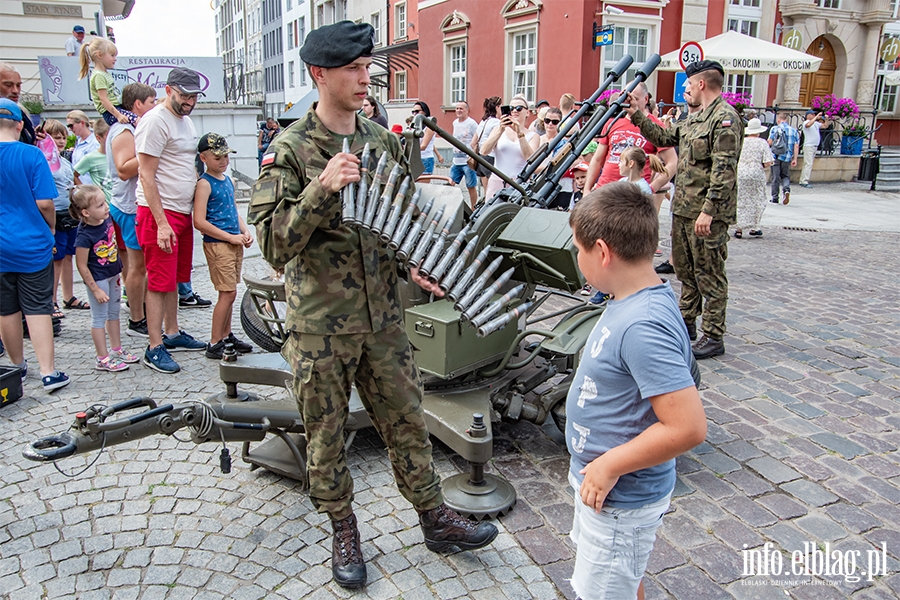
501, 321
479, 284
496, 306
400, 232
446, 283
425, 241
473, 308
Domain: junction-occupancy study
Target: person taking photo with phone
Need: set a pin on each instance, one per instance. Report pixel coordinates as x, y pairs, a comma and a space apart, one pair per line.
511, 143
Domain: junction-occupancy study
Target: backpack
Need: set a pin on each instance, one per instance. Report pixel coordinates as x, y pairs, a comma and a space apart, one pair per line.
779, 141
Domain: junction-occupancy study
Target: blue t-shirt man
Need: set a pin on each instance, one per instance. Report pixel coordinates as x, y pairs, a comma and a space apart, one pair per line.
638, 349
221, 209
26, 245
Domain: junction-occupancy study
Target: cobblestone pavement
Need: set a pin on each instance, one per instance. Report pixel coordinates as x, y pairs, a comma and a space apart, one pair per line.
802, 449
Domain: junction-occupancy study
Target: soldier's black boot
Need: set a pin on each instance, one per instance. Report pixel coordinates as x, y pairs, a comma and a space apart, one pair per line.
707, 347
347, 565
691, 329
444, 527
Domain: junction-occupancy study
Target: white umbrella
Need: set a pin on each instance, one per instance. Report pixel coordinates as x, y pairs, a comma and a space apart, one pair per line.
739, 53
892, 78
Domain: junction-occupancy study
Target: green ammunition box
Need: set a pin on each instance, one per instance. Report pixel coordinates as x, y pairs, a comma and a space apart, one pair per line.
539, 244
445, 347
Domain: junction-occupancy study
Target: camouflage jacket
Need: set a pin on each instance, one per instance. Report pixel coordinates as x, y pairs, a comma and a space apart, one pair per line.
337, 281
709, 146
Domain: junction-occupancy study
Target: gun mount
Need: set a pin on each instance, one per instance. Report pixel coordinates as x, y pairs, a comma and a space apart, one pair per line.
480, 365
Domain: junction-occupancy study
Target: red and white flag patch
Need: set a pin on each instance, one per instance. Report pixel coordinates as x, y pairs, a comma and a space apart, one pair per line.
725, 123
268, 159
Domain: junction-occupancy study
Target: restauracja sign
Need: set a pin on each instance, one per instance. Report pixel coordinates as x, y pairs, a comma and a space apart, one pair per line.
60, 83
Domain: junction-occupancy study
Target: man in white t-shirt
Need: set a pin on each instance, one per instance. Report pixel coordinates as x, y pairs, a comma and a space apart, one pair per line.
464, 130
811, 138
166, 144
74, 43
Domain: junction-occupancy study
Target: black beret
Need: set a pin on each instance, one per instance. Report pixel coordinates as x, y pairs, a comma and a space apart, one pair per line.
338, 45
703, 65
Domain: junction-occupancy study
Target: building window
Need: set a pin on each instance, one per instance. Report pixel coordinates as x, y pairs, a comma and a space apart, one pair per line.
301, 30
288, 6
829, 3
375, 21
627, 40
886, 95
290, 37
400, 85
457, 73
751, 3
745, 26
739, 84
302, 74
400, 21
291, 74
524, 66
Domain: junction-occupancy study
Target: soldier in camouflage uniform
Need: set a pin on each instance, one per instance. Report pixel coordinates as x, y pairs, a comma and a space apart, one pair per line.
344, 310
705, 202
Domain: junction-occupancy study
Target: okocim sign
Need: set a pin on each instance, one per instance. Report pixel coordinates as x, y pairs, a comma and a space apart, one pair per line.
738, 53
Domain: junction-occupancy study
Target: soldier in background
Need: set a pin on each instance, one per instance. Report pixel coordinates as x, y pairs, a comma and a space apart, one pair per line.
344, 310
705, 202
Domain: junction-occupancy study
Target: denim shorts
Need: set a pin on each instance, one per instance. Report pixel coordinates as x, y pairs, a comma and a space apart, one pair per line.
428, 163
613, 547
458, 171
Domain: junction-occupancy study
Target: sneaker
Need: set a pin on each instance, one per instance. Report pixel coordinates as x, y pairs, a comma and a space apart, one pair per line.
160, 360
240, 346
599, 298
787, 198
216, 351
806, 185
664, 267
138, 328
24, 367
125, 356
55, 381
183, 343
110, 363
774, 200
586, 290
194, 301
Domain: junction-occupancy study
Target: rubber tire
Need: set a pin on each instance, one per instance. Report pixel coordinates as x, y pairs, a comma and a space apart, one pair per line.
255, 328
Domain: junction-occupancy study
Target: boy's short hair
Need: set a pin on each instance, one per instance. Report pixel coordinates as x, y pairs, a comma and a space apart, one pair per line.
101, 127
135, 91
621, 215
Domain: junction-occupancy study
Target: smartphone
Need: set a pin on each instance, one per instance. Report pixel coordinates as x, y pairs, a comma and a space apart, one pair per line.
505, 110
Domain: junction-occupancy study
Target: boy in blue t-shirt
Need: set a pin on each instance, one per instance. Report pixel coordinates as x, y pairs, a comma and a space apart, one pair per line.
26, 248
225, 235
633, 406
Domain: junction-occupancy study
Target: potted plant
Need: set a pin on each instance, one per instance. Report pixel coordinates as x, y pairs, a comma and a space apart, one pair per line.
852, 137
739, 100
34, 105
845, 112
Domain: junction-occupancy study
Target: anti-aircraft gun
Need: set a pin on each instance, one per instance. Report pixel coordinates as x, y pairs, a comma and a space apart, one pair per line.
471, 345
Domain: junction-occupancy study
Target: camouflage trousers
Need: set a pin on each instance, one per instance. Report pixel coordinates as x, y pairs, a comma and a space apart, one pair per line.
386, 376
699, 264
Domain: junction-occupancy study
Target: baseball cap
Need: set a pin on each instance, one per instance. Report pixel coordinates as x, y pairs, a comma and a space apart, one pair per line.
580, 167
541, 103
215, 143
186, 80
78, 29
398, 128
15, 113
